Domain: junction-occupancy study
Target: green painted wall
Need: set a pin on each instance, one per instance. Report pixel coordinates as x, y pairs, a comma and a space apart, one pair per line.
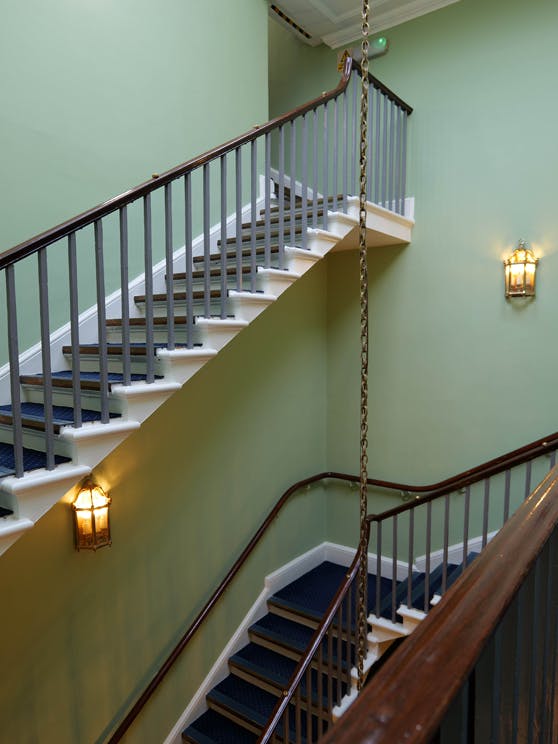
457, 373
98, 96
85, 631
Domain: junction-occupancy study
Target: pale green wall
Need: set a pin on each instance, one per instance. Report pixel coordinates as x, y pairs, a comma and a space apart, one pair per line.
96, 97
82, 632
448, 353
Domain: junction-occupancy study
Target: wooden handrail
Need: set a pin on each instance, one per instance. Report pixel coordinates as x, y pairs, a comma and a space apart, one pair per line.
517, 457
408, 698
31, 246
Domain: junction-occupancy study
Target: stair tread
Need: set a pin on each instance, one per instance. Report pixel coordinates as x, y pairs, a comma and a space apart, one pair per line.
115, 349
311, 594
213, 728
264, 663
88, 380
179, 296
247, 700
157, 321
34, 413
260, 251
213, 271
32, 459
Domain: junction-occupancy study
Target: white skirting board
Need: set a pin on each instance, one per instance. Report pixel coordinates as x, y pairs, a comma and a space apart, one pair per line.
455, 552
272, 583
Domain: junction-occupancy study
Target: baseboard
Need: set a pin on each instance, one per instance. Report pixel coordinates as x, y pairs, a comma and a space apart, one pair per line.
455, 552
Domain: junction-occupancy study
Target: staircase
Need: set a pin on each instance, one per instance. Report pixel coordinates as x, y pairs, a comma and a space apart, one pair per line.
240, 705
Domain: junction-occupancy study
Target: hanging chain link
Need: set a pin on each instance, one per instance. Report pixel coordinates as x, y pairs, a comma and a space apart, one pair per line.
363, 543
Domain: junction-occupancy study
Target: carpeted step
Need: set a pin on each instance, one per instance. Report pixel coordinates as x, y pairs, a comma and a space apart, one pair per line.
213, 728
32, 460
243, 702
33, 416
310, 595
401, 595
87, 380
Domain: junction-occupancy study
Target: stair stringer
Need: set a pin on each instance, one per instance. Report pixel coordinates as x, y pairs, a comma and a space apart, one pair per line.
31, 496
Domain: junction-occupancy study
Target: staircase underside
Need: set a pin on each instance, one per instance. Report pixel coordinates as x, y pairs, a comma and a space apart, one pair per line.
79, 449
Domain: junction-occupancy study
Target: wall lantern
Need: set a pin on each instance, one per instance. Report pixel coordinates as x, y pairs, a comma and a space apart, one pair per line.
91, 517
520, 271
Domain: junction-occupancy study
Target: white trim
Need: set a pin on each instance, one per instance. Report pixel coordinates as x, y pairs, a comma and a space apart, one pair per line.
455, 552
384, 20
11, 529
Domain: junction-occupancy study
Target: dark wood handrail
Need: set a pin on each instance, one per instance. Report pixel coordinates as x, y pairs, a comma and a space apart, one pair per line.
518, 456
408, 698
31, 246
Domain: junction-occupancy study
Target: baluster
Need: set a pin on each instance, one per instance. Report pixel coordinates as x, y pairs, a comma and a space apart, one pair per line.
385, 156
253, 212
410, 559
391, 196
238, 216
189, 260
345, 150
326, 191
74, 328
466, 526
552, 459
350, 635
315, 170
377, 170
45, 357
378, 568
394, 571
446, 542
169, 266
304, 180
13, 355
356, 139
534, 656
428, 549
267, 196
339, 676
206, 243
298, 721
320, 664
330, 702
549, 644
286, 731
486, 501
404, 162
507, 496
292, 195
495, 714
528, 470
397, 206
309, 703
518, 661
148, 260
102, 320
282, 197
124, 297
335, 152
224, 245
369, 141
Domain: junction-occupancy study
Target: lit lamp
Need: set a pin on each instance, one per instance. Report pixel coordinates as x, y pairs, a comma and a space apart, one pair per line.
520, 270
91, 517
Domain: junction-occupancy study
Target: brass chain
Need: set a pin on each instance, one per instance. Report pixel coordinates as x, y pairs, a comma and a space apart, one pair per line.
363, 543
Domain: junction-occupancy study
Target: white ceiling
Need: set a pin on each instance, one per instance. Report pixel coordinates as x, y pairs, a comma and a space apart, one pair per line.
338, 22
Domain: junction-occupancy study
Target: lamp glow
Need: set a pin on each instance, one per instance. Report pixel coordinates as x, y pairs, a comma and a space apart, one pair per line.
520, 272
91, 518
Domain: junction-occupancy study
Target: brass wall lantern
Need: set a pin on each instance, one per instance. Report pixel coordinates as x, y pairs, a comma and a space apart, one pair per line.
520, 271
91, 517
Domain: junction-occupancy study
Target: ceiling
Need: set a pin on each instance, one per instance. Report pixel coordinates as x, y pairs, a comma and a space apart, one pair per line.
338, 22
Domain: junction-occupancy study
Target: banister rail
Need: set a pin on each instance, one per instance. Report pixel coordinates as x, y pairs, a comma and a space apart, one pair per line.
408, 698
33, 245
515, 457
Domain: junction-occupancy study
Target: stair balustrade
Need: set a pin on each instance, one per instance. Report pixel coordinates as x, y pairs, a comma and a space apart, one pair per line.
253, 202
516, 468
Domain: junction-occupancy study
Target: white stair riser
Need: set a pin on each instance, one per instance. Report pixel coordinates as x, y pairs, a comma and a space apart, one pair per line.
35, 440
247, 306
90, 399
